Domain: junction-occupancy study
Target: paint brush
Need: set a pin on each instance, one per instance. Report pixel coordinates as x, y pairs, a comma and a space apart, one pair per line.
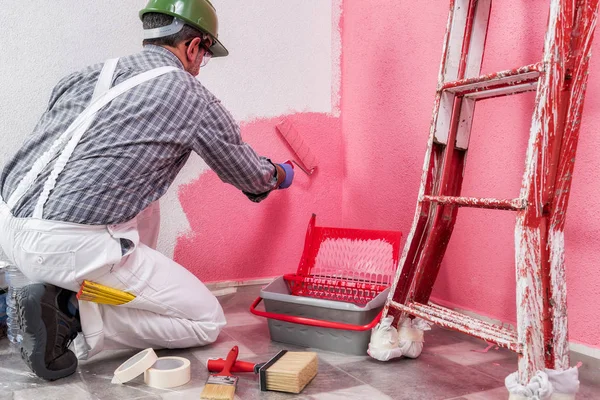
286, 372
221, 386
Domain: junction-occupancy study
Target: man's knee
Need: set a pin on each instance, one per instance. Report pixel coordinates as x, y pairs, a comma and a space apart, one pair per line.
214, 328
205, 333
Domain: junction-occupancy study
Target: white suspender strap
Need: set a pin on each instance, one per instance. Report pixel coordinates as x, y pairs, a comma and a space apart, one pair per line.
105, 79
102, 86
86, 117
75, 132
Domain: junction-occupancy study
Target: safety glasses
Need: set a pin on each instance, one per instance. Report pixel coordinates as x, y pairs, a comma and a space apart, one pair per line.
207, 53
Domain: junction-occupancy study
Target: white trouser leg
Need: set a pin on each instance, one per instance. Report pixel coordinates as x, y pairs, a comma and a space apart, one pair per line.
172, 309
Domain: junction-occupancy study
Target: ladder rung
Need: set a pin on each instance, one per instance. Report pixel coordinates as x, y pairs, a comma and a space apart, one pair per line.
447, 318
512, 81
475, 202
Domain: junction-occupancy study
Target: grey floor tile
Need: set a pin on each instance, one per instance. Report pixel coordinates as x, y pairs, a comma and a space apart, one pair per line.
495, 394
241, 300
243, 318
439, 336
498, 368
6, 395
588, 393
257, 338
589, 376
590, 384
337, 358
220, 349
469, 353
429, 377
355, 393
5, 348
55, 392
448, 368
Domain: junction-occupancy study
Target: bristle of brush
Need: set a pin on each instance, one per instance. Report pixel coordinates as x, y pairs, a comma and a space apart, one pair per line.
292, 372
218, 392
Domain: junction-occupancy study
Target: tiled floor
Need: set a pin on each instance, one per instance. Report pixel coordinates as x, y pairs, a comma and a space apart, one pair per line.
452, 366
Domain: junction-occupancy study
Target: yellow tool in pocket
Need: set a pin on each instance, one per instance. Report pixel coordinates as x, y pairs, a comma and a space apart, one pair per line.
97, 293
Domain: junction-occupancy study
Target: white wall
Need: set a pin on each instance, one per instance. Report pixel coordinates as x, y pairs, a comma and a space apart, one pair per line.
281, 62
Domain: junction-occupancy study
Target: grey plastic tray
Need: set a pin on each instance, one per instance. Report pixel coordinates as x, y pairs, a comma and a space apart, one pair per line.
277, 299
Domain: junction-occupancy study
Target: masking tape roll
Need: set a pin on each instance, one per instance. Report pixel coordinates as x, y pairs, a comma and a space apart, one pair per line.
168, 372
135, 366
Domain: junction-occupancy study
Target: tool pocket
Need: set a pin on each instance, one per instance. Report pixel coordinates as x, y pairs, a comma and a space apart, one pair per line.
56, 268
54, 261
44, 257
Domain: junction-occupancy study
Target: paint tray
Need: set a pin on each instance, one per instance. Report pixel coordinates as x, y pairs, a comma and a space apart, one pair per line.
338, 292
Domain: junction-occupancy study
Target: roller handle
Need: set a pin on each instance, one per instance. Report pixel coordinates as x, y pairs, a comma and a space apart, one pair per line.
217, 364
313, 322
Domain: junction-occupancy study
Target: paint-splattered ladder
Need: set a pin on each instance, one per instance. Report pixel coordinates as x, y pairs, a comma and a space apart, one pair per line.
560, 81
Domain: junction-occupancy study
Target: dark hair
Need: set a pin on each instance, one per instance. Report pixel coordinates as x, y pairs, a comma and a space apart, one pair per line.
157, 20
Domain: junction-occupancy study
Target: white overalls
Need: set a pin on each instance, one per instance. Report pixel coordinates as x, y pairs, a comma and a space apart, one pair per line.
172, 308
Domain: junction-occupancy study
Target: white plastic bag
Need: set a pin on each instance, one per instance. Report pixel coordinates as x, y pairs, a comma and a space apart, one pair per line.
538, 388
545, 385
384, 341
410, 336
388, 343
565, 383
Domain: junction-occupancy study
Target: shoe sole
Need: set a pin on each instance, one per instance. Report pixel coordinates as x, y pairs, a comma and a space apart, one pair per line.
33, 345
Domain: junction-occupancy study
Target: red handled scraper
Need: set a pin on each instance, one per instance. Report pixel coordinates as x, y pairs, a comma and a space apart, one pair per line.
222, 386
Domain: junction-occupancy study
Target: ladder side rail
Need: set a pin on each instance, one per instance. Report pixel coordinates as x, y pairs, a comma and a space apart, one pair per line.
453, 61
534, 325
586, 15
444, 215
414, 241
478, 38
416, 238
451, 179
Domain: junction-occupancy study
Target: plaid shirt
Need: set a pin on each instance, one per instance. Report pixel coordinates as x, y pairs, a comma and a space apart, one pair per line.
136, 146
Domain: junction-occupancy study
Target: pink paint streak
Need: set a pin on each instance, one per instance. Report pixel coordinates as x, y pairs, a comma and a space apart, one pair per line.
235, 239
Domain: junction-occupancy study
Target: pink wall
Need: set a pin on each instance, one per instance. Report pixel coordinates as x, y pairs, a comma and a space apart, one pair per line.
235, 239
370, 163
391, 56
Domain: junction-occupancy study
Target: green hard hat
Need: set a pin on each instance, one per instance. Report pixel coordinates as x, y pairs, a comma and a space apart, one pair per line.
199, 14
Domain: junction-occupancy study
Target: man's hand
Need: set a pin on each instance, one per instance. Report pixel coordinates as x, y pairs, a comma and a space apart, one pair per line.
285, 175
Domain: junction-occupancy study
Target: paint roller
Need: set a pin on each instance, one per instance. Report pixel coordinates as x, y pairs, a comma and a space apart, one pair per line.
306, 159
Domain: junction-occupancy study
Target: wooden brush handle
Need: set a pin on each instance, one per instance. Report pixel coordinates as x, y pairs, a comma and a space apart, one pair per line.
229, 361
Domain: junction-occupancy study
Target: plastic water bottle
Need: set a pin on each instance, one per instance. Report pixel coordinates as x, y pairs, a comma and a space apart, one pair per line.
3, 292
16, 281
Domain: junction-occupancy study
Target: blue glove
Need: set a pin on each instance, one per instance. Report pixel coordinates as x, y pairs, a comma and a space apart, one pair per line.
289, 176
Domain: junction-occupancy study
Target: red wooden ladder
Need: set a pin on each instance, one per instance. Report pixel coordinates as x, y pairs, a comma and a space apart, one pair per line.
560, 81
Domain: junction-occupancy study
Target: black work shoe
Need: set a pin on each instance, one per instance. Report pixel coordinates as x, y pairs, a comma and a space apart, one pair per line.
48, 329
